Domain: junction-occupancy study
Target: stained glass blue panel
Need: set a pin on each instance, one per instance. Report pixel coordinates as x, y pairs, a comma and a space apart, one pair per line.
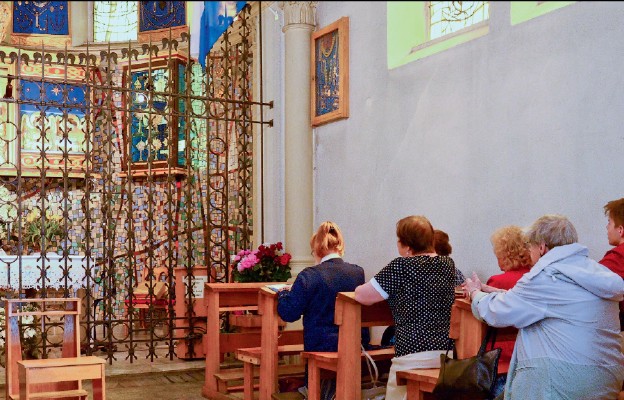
157, 112
161, 14
181, 118
43, 17
54, 122
148, 114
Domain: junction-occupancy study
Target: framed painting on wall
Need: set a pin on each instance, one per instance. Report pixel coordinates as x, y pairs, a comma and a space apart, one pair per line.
330, 73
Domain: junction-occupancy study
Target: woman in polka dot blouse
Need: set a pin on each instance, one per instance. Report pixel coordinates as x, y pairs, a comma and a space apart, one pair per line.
419, 287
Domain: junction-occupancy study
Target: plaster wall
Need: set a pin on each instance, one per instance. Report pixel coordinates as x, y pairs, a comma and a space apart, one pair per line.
501, 130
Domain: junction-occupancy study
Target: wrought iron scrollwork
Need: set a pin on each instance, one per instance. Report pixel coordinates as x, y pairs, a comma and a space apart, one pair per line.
67, 123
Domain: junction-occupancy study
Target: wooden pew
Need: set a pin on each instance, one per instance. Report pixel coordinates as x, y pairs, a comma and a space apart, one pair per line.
274, 343
468, 333
350, 317
218, 298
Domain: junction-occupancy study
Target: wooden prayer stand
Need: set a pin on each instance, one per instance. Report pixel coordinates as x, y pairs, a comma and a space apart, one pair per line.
52, 377
220, 297
350, 317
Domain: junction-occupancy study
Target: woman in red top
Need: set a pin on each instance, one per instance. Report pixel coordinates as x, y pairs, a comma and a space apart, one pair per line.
512, 254
509, 246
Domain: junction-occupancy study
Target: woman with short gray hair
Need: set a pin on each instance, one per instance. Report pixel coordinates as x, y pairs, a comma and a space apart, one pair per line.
566, 310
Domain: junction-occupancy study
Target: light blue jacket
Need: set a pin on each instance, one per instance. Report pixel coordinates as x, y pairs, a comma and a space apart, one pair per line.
568, 345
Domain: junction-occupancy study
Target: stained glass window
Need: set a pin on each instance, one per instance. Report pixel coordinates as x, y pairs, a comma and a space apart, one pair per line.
149, 116
446, 17
158, 119
55, 119
115, 21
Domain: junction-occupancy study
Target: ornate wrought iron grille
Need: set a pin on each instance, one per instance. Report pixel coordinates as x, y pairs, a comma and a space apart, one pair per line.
127, 236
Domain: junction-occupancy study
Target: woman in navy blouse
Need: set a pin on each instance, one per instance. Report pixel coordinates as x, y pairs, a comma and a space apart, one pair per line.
313, 294
419, 287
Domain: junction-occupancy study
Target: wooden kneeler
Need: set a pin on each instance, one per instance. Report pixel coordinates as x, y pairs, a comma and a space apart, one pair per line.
64, 374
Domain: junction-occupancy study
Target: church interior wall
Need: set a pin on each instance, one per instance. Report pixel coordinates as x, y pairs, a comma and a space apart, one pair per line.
519, 123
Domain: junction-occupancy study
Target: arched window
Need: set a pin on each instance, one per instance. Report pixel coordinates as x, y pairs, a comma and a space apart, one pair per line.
115, 21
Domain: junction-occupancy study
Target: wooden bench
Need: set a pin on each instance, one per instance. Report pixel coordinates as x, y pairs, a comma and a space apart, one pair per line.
468, 333
218, 298
287, 396
350, 317
420, 382
252, 366
51, 377
54, 370
273, 345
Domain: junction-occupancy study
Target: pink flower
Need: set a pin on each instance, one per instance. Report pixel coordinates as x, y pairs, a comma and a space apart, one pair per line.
267, 261
248, 262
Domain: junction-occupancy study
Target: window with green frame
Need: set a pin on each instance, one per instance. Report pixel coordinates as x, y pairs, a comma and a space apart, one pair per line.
417, 29
525, 10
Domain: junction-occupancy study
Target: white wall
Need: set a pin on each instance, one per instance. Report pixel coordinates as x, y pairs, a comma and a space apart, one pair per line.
522, 122
501, 130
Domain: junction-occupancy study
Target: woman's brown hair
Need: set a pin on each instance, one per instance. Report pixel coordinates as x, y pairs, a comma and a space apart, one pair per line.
416, 232
327, 239
441, 243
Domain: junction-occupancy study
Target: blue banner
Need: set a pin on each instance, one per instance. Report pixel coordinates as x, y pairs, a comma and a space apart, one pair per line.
216, 18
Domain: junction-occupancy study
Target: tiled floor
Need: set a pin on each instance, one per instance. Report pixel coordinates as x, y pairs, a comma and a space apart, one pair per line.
172, 385
145, 380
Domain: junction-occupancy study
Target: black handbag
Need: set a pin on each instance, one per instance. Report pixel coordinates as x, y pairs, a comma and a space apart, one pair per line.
471, 378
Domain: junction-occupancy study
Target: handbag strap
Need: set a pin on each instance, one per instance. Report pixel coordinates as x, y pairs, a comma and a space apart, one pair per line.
370, 363
490, 334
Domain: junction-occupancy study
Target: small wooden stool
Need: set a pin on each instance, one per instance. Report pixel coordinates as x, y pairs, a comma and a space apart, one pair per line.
53, 370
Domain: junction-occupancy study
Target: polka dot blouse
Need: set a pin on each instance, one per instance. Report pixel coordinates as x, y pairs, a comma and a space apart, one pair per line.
421, 293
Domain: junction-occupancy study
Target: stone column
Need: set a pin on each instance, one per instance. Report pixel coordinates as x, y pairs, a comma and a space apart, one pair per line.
299, 23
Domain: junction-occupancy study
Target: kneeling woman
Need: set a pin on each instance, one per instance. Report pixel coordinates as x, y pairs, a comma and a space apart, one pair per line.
313, 294
419, 287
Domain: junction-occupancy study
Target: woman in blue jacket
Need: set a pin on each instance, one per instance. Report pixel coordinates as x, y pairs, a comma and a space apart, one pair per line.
313, 294
566, 310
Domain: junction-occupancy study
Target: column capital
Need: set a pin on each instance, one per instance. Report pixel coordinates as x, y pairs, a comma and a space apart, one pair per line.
299, 12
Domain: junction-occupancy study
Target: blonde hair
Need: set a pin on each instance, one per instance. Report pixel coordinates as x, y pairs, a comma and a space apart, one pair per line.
509, 246
327, 239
